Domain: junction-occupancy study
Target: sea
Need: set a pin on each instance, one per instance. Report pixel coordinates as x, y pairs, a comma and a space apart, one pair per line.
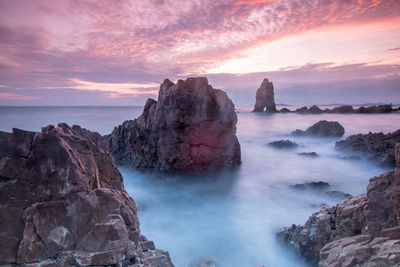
231, 217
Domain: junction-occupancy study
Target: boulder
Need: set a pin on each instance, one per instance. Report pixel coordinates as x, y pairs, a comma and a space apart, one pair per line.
343, 109
191, 128
322, 129
376, 147
63, 203
284, 110
283, 144
265, 99
302, 110
376, 109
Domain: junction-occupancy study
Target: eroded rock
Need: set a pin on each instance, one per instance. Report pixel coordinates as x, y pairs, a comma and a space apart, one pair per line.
63, 203
265, 99
191, 128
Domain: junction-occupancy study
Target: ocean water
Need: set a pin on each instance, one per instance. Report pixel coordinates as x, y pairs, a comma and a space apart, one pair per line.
231, 216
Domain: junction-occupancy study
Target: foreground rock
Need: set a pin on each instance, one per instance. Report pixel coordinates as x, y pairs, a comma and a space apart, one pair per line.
322, 129
191, 128
359, 231
376, 147
62, 203
265, 99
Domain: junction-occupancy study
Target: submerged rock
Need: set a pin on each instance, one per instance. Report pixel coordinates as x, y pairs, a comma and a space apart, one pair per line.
320, 185
63, 203
283, 144
362, 230
191, 128
265, 99
376, 147
309, 154
376, 109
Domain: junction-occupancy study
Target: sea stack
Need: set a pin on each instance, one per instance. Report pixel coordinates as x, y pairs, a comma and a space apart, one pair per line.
63, 203
191, 128
265, 99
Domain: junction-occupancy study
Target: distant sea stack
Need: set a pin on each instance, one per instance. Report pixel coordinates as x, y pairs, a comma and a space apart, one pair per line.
63, 203
265, 99
191, 128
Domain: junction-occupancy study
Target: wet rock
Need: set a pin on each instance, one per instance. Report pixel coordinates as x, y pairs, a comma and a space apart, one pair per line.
337, 194
322, 129
191, 128
376, 109
283, 144
326, 129
376, 147
309, 154
265, 100
62, 201
329, 224
320, 185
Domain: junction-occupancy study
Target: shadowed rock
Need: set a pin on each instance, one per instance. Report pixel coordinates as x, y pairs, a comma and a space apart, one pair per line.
315, 110
265, 100
191, 128
284, 110
63, 203
302, 110
376, 147
283, 144
309, 154
320, 185
322, 129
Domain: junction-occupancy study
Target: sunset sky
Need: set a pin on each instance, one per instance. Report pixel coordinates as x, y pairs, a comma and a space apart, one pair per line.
71, 52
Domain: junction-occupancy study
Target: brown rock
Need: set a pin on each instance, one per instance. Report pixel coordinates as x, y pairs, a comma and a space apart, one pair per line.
265, 99
63, 202
190, 128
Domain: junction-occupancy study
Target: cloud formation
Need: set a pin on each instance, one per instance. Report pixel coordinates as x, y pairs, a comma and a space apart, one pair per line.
114, 48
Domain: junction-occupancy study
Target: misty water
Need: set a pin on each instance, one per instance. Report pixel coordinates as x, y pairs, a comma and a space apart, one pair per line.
231, 216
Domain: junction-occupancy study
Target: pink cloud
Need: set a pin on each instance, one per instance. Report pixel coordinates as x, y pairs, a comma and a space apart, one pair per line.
11, 96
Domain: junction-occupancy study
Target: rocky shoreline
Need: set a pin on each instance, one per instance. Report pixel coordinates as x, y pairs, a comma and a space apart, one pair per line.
360, 231
63, 203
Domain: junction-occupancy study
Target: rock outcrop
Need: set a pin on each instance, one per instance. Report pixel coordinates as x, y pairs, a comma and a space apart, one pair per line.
285, 144
346, 109
265, 99
376, 147
63, 203
322, 129
359, 231
191, 128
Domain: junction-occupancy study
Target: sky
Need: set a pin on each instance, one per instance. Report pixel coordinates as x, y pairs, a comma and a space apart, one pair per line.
98, 52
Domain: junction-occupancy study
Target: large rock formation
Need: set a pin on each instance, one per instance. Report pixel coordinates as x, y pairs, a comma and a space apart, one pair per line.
63, 203
322, 129
376, 147
359, 231
265, 99
190, 128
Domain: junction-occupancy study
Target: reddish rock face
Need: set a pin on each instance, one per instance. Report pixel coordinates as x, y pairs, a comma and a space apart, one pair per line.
63, 202
191, 128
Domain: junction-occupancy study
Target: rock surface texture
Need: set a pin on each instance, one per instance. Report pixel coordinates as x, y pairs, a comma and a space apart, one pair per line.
376, 147
191, 128
359, 231
265, 98
322, 129
63, 203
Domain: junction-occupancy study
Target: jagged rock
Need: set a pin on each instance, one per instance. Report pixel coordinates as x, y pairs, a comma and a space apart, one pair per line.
329, 224
365, 230
315, 109
63, 203
265, 100
284, 110
376, 147
302, 110
283, 144
309, 154
190, 128
322, 129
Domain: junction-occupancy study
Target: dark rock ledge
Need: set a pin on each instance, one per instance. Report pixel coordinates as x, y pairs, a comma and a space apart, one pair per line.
63, 203
359, 231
